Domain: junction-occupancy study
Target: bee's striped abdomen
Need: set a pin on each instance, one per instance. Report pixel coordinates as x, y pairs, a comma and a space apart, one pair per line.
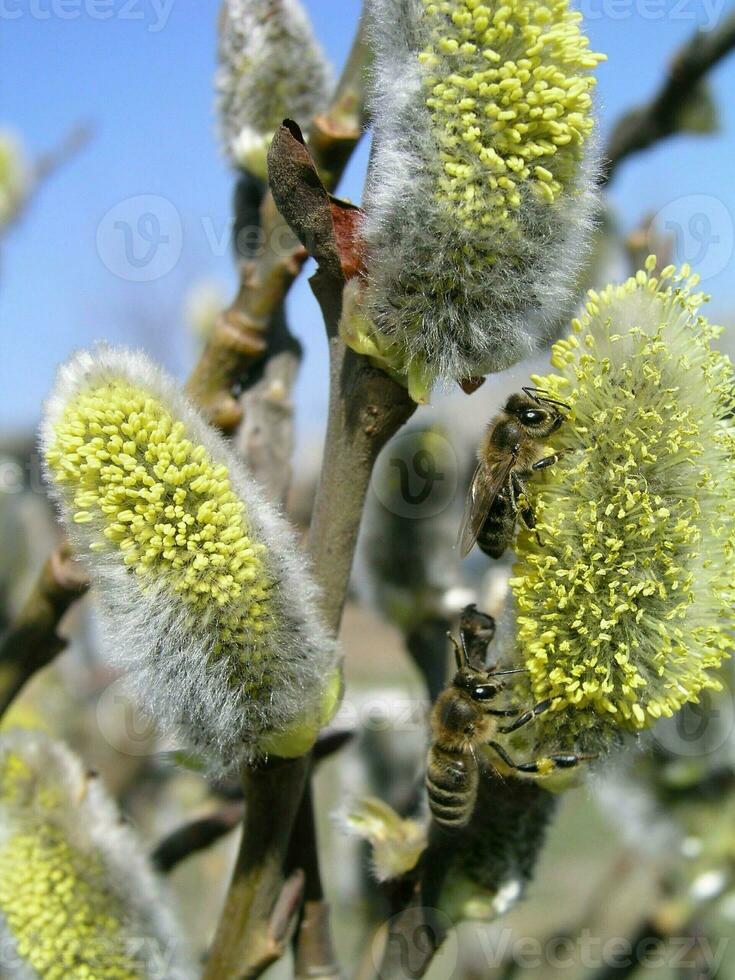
496, 533
451, 781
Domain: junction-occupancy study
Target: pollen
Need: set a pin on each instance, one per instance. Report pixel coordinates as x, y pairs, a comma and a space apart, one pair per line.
509, 91
625, 599
157, 500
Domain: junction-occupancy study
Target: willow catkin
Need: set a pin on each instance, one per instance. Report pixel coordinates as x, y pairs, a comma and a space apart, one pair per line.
78, 898
481, 184
202, 589
625, 596
270, 67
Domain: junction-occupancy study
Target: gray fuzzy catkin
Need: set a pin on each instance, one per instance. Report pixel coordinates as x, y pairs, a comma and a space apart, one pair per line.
270, 67
46, 798
465, 299
225, 697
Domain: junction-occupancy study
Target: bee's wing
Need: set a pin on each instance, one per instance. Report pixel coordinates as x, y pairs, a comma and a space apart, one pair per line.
485, 486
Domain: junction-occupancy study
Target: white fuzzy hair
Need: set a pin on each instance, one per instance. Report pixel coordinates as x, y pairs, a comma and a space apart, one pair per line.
463, 316
271, 66
91, 824
167, 651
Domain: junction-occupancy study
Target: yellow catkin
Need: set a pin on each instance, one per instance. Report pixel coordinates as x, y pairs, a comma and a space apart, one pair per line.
625, 600
65, 922
204, 598
506, 125
164, 505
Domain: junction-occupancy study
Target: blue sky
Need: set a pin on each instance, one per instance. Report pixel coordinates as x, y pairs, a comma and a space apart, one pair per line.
141, 70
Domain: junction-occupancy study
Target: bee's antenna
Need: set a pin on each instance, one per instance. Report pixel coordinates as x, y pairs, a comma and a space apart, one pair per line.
515, 670
465, 652
459, 653
540, 395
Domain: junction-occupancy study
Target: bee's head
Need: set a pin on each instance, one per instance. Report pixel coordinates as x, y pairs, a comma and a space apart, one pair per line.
479, 684
537, 415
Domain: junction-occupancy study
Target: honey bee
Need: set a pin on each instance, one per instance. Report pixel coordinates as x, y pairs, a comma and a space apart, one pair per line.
510, 453
463, 719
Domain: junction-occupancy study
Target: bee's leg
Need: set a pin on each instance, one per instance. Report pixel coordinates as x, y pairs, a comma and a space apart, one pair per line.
527, 515
570, 761
511, 712
524, 719
516, 489
512, 490
542, 464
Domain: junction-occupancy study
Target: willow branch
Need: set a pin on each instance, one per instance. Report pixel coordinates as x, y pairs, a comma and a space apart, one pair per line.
648, 932
245, 945
675, 916
314, 954
416, 933
198, 835
47, 164
366, 408
657, 120
73, 143
265, 437
240, 337
33, 639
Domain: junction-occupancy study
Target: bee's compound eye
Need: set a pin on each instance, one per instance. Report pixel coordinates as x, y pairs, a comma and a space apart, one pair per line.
533, 416
484, 692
